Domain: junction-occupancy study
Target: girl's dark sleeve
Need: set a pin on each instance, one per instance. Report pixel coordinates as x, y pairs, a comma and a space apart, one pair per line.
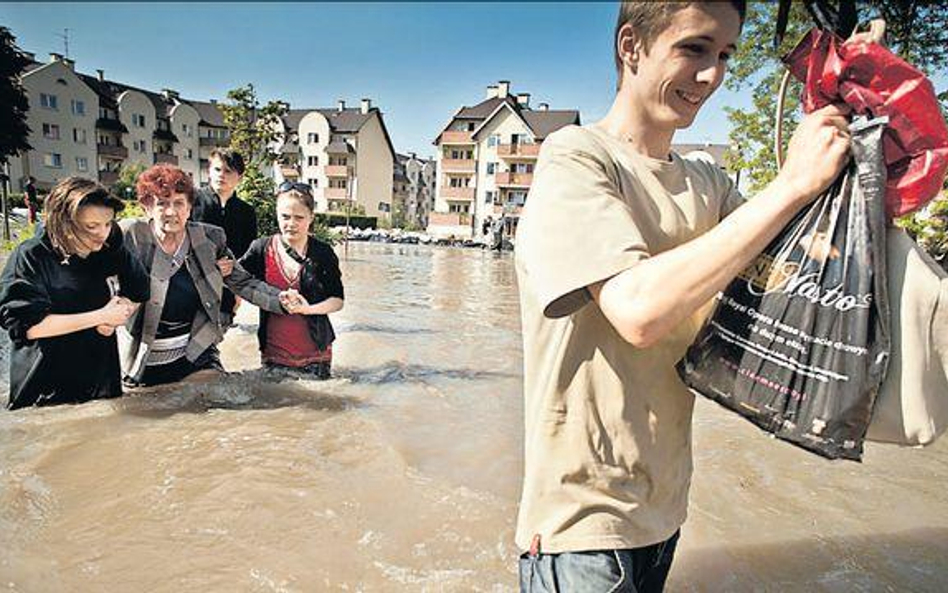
254, 259
24, 296
134, 280
332, 276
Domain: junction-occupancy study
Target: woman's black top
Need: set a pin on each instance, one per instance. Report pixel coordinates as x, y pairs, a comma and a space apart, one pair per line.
181, 305
320, 279
37, 282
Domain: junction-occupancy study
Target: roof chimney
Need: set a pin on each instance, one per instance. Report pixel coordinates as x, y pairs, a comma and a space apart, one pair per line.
30, 55
544, 106
491, 91
523, 99
503, 88
366, 105
340, 105
170, 94
101, 74
54, 57
71, 64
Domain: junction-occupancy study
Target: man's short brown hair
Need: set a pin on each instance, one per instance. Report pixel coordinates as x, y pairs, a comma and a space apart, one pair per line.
230, 157
649, 19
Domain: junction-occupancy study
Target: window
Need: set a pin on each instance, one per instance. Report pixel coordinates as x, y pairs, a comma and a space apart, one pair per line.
338, 183
470, 126
138, 119
490, 168
139, 146
79, 135
490, 197
82, 163
459, 181
493, 140
384, 207
49, 101
189, 154
53, 159
312, 138
78, 107
186, 130
313, 182
313, 161
51, 131
459, 208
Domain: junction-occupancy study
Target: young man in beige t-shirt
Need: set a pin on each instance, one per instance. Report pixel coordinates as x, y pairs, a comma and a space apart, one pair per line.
621, 247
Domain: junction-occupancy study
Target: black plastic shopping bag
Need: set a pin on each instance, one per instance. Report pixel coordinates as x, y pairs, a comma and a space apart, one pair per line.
799, 341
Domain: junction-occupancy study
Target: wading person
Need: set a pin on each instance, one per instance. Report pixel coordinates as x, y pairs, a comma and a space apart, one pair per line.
63, 293
621, 245
292, 259
219, 205
175, 334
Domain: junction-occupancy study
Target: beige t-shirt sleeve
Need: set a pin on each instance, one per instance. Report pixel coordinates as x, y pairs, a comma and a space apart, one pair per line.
577, 228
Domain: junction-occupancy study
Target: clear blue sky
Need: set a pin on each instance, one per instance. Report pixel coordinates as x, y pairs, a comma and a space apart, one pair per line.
418, 62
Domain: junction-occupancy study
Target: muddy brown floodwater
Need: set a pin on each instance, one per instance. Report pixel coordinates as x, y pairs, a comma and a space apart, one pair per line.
402, 473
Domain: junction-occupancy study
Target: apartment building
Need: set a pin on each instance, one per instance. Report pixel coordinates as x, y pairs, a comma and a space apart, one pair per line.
211, 134
485, 161
419, 202
344, 153
62, 120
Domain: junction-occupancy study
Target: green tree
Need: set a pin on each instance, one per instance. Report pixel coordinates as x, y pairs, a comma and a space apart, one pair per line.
256, 133
916, 30
14, 131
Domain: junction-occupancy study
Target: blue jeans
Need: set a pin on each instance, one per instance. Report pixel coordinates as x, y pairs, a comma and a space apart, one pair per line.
636, 570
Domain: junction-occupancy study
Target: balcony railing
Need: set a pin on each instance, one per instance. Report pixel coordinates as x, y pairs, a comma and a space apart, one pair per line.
119, 152
528, 151
162, 157
213, 141
335, 193
456, 137
337, 171
449, 219
458, 193
458, 165
289, 172
108, 177
507, 210
511, 179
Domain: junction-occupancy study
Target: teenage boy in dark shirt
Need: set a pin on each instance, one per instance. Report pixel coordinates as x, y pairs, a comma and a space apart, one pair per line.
219, 205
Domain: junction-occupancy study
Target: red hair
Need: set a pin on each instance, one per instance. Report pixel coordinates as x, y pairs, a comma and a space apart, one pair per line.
163, 181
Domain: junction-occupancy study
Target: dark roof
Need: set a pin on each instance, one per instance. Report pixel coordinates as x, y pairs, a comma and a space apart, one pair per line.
483, 109
211, 116
339, 146
109, 91
544, 123
110, 124
165, 135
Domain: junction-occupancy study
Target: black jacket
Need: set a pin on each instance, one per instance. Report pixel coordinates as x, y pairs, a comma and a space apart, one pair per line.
320, 279
36, 282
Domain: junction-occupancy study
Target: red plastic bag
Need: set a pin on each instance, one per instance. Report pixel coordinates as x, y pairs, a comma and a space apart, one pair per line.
875, 82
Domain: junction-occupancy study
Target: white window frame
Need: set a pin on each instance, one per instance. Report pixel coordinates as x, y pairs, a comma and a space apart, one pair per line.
82, 163
50, 102
53, 160
78, 107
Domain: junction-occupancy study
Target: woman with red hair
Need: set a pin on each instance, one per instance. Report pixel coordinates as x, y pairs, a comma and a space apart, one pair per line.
175, 334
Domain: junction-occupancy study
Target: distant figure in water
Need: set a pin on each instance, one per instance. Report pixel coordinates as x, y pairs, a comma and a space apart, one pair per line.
294, 260
62, 295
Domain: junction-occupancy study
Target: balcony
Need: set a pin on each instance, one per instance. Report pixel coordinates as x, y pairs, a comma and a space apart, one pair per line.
518, 151
213, 141
458, 165
510, 179
108, 177
335, 193
507, 210
449, 219
457, 193
337, 171
163, 157
456, 137
107, 150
